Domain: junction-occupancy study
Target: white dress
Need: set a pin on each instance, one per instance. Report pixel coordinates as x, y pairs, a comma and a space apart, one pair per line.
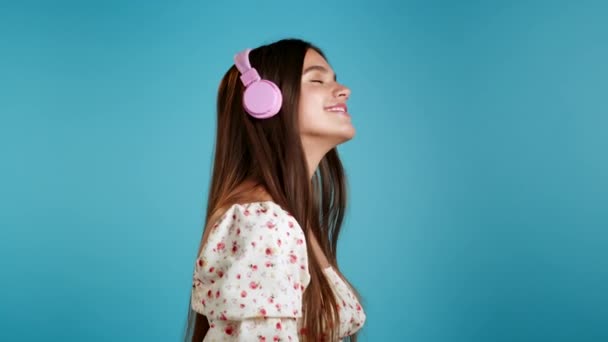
251, 274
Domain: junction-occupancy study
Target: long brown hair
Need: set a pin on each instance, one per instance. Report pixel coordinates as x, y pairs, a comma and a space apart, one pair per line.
268, 154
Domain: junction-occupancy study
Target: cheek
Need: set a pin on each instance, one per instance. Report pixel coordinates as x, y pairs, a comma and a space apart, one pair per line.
311, 104
311, 115
308, 115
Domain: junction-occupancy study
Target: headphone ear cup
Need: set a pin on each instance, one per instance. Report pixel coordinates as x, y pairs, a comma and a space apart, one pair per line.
262, 99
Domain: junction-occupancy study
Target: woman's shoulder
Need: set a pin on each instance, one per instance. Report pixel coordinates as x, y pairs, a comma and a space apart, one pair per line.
248, 217
254, 210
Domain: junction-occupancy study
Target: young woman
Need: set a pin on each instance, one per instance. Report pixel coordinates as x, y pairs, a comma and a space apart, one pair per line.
266, 269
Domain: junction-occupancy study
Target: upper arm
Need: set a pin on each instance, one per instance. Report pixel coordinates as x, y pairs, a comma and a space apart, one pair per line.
253, 265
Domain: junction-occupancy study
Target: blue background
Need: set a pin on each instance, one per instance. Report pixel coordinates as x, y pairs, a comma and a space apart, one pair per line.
478, 176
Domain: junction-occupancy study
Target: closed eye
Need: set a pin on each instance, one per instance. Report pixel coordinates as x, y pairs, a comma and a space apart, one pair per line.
317, 81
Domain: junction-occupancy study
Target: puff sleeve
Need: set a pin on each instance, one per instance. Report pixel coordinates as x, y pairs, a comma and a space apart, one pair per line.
250, 275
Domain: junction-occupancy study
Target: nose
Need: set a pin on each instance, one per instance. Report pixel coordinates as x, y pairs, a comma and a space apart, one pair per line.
342, 91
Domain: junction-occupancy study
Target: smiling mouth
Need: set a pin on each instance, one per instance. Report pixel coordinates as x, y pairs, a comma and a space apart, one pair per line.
340, 108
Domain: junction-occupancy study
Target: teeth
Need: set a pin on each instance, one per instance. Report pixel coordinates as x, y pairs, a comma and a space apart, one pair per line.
336, 109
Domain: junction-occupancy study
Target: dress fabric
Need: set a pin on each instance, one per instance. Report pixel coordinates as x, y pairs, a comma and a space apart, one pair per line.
250, 277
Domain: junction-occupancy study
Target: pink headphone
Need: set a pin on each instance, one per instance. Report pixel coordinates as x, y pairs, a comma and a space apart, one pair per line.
262, 98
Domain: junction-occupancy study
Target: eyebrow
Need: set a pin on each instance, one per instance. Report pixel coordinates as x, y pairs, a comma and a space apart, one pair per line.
318, 68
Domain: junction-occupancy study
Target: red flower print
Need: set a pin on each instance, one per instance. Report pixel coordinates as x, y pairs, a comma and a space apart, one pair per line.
269, 264
238, 231
279, 242
269, 251
290, 224
211, 269
276, 339
210, 294
223, 317
220, 246
200, 262
270, 224
253, 285
261, 339
278, 325
293, 258
217, 294
229, 330
300, 241
253, 267
242, 306
220, 273
246, 213
238, 276
243, 293
263, 312
235, 247
278, 306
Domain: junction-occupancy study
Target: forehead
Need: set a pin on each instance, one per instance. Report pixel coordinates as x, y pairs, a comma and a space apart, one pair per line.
312, 57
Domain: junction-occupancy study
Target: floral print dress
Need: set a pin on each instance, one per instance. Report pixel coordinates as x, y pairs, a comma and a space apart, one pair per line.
250, 277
